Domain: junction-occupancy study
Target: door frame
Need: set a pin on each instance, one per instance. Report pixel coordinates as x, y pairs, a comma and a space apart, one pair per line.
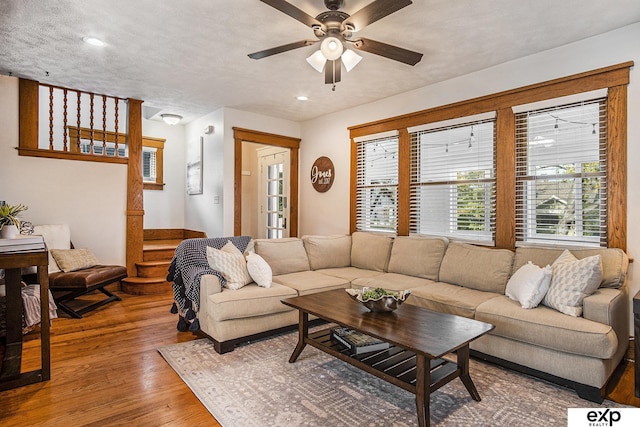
293, 144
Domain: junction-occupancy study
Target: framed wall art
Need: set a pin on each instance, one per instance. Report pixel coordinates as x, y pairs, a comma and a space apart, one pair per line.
194, 170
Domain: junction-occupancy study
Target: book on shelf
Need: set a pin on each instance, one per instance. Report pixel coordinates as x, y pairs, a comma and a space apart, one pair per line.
356, 341
22, 244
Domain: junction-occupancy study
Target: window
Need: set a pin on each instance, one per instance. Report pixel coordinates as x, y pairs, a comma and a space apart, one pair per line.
453, 182
561, 174
152, 163
377, 184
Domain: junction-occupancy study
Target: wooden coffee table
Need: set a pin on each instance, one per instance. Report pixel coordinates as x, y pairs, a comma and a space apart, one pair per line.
419, 338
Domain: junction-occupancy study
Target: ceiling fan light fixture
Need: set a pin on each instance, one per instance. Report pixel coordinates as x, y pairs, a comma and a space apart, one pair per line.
350, 59
171, 119
331, 48
317, 61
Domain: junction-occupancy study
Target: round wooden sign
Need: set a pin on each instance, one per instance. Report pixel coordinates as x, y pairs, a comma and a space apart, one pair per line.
322, 174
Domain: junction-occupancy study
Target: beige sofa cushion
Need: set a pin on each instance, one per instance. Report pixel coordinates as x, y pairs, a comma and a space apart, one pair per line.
390, 281
476, 267
310, 282
417, 256
249, 301
283, 255
350, 273
546, 327
615, 262
451, 299
328, 251
370, 251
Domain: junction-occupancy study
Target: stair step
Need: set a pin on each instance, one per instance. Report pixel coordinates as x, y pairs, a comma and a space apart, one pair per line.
146, 286
158, 254
153, 268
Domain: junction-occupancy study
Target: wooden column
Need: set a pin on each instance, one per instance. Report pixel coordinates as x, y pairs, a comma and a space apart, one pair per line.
28, 90
135, 206
404, 178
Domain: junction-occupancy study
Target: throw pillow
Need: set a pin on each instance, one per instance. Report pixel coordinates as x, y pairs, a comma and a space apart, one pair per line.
529, 285
259, 270
229, 262
73, 259
572, 281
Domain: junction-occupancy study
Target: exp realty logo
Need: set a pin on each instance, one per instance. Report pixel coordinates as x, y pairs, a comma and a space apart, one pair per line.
603, 417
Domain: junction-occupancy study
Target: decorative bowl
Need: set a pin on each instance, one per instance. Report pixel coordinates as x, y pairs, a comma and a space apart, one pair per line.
384, 303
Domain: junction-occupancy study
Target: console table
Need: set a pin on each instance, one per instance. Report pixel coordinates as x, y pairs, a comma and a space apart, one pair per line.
10, 373
636, 341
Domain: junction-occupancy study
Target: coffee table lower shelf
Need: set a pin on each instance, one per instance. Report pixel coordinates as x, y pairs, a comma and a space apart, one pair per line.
394, 364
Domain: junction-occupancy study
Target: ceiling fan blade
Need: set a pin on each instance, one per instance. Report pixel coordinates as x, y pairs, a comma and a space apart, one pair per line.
375, 11
388, 51
332, 71
294, 12
280, 49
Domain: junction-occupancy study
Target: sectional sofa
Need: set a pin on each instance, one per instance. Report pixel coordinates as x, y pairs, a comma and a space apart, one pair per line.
576, 351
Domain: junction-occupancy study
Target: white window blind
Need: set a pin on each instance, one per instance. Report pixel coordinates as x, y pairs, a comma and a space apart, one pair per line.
561, 182
377, 184
453, 184
149, 164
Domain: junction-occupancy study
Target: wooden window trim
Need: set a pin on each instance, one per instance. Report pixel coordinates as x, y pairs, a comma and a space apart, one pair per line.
158, 144
615, 78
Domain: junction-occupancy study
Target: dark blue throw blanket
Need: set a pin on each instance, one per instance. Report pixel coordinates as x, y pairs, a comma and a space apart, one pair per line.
188, 265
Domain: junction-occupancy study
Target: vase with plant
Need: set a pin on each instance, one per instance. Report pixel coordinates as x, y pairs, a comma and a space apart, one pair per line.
9, 222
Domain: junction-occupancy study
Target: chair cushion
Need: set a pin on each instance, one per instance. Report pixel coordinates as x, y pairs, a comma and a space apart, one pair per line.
283, 255
417, 256
451, 299
74, 259
328, 251
83, 279
370, 251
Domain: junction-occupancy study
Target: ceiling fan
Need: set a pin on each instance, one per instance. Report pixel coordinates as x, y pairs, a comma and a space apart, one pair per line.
336, 30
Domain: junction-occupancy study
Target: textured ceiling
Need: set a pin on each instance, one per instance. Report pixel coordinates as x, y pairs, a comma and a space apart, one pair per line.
189, 57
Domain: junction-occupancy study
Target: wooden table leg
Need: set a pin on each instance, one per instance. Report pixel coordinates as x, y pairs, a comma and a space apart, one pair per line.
463, 365
45, 345
303, 333
423, 390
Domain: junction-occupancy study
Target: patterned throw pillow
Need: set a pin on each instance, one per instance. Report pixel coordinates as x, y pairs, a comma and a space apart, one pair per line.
259, 270
529, 285
229, 262
572, 281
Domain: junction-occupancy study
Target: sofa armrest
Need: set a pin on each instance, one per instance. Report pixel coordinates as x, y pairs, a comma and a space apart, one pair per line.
606, 306
209, 285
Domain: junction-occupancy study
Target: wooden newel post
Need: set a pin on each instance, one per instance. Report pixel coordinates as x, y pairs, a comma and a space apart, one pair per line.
135, 206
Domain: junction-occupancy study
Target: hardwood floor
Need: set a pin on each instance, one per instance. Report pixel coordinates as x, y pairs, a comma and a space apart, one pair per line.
105, 370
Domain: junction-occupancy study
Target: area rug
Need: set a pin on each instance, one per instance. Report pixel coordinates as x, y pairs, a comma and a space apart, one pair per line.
255, 385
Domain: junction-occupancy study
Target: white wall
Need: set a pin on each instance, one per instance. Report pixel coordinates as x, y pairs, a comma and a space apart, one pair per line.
323, 213
89, 196
202, 213
165, 209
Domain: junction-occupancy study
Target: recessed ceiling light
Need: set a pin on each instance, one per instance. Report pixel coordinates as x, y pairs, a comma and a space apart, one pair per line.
302, 98
93, 41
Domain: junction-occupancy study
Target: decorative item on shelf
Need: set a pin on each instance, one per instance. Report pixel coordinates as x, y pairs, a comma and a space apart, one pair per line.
322, 174
379, 300
9, 222
26, 228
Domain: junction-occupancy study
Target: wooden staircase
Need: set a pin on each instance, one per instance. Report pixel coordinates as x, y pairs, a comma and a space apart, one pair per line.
158, 249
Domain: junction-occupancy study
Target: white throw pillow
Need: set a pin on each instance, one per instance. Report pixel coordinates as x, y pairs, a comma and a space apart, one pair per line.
572, 281
229, 262
529, 285
259, 270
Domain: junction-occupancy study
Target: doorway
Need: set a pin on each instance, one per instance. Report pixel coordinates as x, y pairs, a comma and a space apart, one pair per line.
283, 197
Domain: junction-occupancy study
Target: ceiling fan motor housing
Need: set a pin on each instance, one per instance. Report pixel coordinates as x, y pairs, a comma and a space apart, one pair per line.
333, 4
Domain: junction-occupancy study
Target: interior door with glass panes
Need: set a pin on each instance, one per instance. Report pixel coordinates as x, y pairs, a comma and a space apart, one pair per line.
274, 193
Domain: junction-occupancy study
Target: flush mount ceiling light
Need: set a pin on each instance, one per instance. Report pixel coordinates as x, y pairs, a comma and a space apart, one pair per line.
93, 41
302, 98
336, 30
171, 119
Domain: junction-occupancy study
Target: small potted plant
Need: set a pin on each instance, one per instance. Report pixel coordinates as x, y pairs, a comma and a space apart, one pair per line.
9, 222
